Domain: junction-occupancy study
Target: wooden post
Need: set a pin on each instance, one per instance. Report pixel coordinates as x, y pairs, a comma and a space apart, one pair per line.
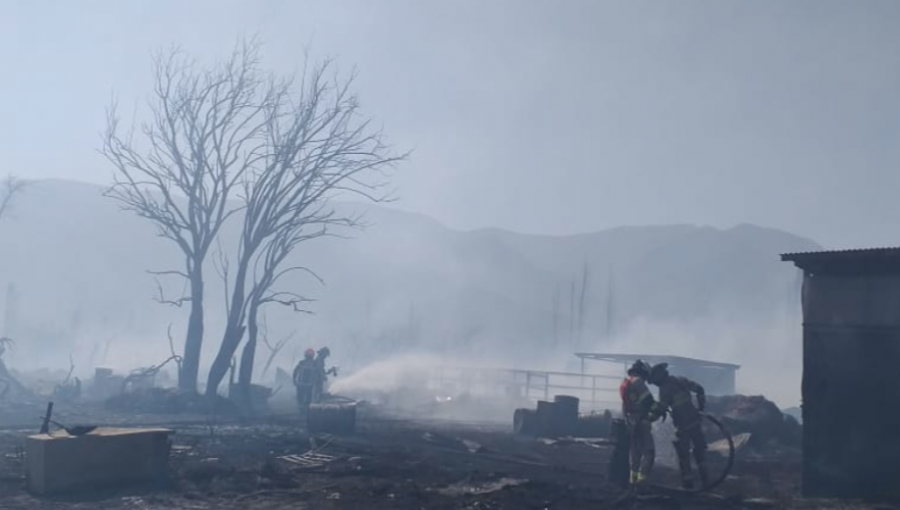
618, 466
45, 426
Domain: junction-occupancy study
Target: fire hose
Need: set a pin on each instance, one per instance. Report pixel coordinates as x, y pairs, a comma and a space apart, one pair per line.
729, 464
710, 485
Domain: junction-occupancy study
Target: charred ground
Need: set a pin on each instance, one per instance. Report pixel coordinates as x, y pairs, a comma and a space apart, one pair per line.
391, 463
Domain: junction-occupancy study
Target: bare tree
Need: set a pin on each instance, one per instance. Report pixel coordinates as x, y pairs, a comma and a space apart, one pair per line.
274, 349
610, 305
11, 187
317, 146
555, 316
573, 316
179, 170
582, 304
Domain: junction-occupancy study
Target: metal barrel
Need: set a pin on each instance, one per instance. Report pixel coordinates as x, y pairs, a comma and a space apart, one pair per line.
565, 415
544, 418
594, 425
525, 421
331, 419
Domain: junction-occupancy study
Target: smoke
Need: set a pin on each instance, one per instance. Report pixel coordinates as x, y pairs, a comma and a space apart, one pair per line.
768, 350
390, 376
430, 386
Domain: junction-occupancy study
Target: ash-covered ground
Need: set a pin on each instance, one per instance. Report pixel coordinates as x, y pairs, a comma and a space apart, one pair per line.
389, 463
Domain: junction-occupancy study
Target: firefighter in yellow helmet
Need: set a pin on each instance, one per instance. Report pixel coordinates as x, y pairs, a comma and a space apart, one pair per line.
637, 403
675, 395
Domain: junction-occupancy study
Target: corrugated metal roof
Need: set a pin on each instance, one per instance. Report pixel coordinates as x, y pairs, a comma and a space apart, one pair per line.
860, 251
865, 261
653, 359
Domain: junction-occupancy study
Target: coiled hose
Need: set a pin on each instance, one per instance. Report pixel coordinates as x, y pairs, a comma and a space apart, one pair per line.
728, 465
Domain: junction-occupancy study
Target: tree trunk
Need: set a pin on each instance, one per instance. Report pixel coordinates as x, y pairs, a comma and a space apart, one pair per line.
248, 358
219, 369
581, 305
190, 365
556, 317
234, 333
572, 314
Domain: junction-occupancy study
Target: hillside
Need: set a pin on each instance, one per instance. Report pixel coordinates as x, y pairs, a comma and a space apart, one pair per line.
79, 267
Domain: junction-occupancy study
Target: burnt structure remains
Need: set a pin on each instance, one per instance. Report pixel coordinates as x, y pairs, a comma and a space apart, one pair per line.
716, 377
851, 372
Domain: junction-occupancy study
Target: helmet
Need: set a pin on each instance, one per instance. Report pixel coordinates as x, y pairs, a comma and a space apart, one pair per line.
325, 351
659, 372
640, 368
309, 353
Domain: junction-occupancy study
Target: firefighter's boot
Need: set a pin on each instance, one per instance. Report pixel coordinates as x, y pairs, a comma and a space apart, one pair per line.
638, 481
704, 475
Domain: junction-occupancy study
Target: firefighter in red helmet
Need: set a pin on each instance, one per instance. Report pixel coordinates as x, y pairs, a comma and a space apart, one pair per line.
637, 402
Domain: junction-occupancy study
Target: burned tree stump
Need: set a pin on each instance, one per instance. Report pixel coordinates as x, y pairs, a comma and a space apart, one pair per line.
331, 418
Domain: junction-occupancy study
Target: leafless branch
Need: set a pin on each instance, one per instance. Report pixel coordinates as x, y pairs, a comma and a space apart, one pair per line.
180, 168
151, 371
222, 267
173, 355
170, 273
71, 370
161, 298
316, 145
295, 301
273, 349
11, 187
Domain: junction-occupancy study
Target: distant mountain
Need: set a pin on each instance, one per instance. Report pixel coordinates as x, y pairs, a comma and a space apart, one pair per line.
79, 268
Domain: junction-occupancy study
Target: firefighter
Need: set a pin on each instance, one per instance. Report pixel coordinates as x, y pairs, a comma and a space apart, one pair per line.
675, 396
322, 373
305, 380
637, 402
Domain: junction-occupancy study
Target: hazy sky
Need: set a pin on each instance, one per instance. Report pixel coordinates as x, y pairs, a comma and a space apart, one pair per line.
539, 116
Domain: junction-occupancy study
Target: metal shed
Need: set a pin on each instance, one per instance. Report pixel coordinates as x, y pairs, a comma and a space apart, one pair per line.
717, 378
851, 372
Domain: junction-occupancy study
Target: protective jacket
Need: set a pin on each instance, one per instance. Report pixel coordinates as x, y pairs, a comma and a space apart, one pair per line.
675, 394
637, 401
305, 373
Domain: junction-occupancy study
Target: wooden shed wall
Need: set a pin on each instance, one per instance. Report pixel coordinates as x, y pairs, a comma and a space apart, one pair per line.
851, 385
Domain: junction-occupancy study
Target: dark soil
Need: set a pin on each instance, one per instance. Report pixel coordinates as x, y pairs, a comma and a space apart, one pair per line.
386, 464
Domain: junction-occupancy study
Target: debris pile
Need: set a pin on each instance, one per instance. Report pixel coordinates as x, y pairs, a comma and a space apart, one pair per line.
105, 384
168, 401
560, 418
766, 425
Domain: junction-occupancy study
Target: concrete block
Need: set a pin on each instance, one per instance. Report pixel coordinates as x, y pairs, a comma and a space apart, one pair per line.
105, 457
